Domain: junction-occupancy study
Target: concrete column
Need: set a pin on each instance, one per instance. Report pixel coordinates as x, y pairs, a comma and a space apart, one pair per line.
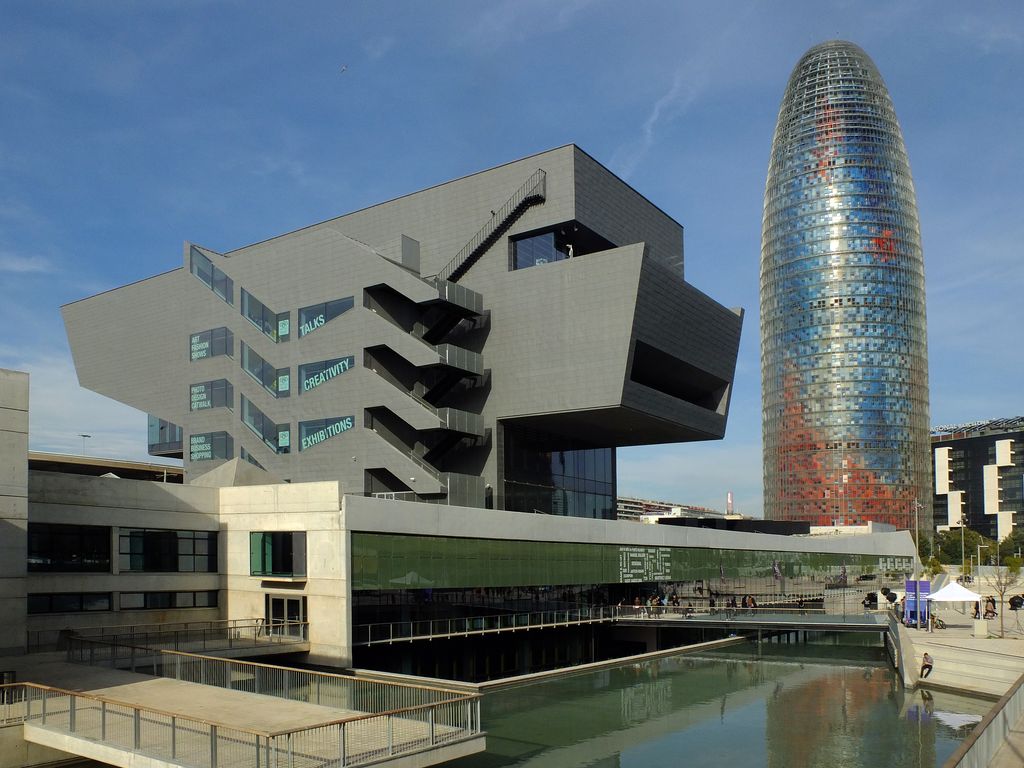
13, 508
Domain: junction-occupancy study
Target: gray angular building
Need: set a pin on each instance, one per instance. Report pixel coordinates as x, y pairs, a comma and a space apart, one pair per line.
844, 359
487, 342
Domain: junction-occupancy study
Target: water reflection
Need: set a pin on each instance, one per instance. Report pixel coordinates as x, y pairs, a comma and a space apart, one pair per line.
782, 710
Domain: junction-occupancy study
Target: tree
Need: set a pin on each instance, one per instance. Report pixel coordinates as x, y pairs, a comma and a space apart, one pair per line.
1013, 543
1005, 579
948, 548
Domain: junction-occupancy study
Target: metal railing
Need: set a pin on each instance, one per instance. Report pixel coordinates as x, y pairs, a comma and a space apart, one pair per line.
109, 644
204, 743
533, 191
400, 631
981, 745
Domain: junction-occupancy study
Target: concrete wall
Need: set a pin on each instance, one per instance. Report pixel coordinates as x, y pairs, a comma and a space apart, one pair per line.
84, 500
13, 507
315, 509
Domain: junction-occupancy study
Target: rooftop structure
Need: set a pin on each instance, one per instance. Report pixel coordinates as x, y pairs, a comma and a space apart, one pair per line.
843, 337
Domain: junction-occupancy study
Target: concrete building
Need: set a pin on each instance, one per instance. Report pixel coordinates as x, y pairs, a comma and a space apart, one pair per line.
85, 552
979, 476
487, 342
843, 336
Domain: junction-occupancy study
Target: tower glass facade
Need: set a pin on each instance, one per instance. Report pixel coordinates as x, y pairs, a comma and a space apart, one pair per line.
843, 342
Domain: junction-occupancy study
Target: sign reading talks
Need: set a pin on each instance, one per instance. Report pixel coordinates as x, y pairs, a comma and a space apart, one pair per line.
315, 432
638, 564
315, 374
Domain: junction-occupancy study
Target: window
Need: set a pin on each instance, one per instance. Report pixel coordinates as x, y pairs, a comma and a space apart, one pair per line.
142, 601
68, 548
312, 375
164, 437
277, 553
561, 242
69, 602
314, 432
211, 343
211, 394
276, 436
317, 315
244, 454
166, 551
276, 327
277, 381
217, 281
211, 445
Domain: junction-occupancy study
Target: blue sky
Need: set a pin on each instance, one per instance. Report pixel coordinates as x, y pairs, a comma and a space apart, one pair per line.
129, 127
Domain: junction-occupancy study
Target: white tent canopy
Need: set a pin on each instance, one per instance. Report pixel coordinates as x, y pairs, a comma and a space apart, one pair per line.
954, 593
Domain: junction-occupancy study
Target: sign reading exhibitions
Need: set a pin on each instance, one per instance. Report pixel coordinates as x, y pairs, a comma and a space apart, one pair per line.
315, 432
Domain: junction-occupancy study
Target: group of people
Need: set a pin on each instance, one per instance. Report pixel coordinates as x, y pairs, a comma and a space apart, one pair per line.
990, 609
657, 604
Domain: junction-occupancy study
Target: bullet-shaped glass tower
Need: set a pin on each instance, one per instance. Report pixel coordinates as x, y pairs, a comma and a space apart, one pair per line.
844, 361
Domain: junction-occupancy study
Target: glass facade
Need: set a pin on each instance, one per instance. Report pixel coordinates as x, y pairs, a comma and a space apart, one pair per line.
211, 343
315, 432
211, 394
143, 601
312, 375
277, 553
205, 446
166, 551
843, 343
165, 438
54, 548
275, 326
317, 315
382, 561
557, 476
215, 280
276, 436
277, 381
68, 602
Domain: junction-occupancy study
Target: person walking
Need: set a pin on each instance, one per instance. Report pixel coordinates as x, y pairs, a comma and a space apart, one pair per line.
926, 665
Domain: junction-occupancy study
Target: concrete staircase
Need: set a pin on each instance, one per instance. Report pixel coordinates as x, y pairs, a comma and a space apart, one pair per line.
981, 666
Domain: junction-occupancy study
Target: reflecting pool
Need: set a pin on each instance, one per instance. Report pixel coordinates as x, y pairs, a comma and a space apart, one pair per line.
785, 707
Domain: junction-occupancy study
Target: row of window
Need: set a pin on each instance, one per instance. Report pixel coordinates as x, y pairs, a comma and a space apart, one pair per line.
59, 548
207, 446
276, 381
83, 602
276, 326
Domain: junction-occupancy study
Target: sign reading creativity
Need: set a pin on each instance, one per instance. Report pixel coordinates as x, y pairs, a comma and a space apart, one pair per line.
315, 432
315, 374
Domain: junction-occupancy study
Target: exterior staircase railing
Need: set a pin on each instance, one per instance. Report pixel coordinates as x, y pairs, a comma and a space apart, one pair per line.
532, 192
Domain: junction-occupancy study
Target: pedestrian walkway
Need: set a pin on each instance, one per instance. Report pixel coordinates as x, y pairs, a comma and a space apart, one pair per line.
136, 720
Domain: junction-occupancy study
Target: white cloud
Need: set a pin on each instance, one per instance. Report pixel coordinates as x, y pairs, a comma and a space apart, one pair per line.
18, 264
379, 46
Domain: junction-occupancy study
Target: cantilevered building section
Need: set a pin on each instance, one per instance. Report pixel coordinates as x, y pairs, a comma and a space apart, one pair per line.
843, 346
486, 342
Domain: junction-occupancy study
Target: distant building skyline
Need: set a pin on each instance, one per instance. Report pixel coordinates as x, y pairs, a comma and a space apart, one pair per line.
844, 362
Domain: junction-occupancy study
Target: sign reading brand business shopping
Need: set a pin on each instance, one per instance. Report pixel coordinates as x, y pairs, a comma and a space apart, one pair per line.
200, 447
315, 432
315, 374
638, 564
